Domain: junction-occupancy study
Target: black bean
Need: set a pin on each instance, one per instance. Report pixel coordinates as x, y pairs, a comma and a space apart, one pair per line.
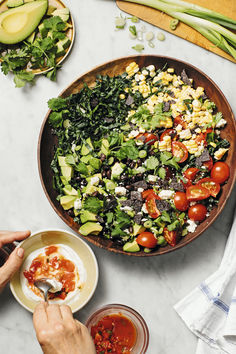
139, 162
103, 173
131, 229
108, 173
129, 187
132, 164
70, 212
102, 157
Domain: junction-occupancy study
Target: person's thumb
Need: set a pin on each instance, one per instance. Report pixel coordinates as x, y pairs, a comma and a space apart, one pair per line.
11, 266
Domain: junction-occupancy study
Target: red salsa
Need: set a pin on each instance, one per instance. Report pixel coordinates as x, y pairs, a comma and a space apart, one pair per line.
52, 264
114, 334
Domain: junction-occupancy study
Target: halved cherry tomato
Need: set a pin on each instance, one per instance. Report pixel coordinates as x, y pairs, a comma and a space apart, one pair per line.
151, 206
148, 192
179, 120
220, 172
208, 164
179, 150
170, 236
180, 201
190, 173
211, 185
147, 138
197, 192
147, 239
168, 132
197, 212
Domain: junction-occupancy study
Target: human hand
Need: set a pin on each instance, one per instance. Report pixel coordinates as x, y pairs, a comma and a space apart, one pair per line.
59, 333
15, 259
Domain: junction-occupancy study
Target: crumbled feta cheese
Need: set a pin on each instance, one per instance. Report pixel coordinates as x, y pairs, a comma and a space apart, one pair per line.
140, 190
179, 128
221, 123
77, 204
120, 190
196, 104
141, 130
144, 209
127, 208
145, 72
133, 134
94, 180
220, 153
166, 194
151, 178
73, 146
191, 226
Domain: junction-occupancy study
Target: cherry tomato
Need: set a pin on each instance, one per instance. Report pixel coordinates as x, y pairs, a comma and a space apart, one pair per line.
208, 164
197, 212
179, 120
151, 206
201, 137
147, 138
211, 185
170, 236
147, 239
190, 173
197, 192
168, 132
179, 150
220, 172
147, 193
180, 201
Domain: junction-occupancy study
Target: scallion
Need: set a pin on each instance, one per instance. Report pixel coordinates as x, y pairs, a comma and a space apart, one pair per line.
207, 22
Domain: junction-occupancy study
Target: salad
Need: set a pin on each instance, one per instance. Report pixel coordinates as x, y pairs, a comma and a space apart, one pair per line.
139, 158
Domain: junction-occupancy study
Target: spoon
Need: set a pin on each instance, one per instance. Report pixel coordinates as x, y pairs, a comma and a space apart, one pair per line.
44, 285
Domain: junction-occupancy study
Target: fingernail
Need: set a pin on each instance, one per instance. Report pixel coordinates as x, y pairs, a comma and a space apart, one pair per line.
20, 252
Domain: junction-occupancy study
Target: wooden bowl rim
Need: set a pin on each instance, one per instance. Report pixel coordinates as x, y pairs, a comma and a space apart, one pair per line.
159, 251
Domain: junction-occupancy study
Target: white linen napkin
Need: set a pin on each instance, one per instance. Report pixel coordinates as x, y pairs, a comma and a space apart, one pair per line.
210, 309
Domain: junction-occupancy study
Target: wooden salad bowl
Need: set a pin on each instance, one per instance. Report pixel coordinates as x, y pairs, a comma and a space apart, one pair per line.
47, 141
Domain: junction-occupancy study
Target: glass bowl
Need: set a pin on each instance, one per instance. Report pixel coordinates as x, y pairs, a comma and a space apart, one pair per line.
142, 333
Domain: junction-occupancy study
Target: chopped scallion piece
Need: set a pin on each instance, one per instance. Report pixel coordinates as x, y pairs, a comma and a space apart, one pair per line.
138, 47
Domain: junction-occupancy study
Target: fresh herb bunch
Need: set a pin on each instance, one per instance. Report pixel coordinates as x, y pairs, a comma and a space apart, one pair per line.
40, 51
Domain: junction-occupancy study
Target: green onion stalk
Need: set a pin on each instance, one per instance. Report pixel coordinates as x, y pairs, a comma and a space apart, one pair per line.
209, 23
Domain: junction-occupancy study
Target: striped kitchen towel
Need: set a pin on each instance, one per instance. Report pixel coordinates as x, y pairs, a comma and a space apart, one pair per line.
210, 309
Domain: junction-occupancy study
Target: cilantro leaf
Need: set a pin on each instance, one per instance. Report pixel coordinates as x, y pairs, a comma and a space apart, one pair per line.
93, 204
21, 78
169, 160
56, 104
152, 162
54, 23
128, 150
56, 119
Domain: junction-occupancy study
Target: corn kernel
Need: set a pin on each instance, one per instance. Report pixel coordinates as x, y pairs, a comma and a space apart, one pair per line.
220, 153
122, 96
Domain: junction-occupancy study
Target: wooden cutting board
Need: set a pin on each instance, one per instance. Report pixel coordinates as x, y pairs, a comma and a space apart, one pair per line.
161, 20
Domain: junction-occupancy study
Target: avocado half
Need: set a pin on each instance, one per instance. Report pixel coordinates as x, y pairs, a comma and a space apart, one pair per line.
18, 23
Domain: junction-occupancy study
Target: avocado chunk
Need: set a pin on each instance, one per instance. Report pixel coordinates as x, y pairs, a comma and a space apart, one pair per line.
95, 163
137, 229
67, 201
60, 49
109, 185
85, 159
50, 9
64, 14
69, 190
86, 215
62, 161
87, 147
67, 171
90, 228
104, 147
18, 23
116, 170
14, 3
31, 38
131, 247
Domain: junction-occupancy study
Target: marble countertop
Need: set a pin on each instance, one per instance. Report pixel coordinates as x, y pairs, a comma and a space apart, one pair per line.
150, 285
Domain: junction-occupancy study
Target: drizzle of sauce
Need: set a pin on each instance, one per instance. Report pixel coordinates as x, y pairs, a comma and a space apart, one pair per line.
114, 334
51, 265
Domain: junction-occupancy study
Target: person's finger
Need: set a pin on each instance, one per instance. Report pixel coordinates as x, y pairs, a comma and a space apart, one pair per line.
66, 312
54, 313
11, 236
11, 266
40, 316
